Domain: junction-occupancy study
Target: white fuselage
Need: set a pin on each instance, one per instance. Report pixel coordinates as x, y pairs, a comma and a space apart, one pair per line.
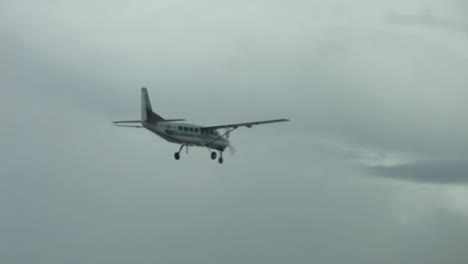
188, 134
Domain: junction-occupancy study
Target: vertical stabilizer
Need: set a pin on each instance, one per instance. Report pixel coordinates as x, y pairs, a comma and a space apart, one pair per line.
147, 113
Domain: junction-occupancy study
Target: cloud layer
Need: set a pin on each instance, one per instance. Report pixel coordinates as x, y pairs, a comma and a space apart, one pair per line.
376, 110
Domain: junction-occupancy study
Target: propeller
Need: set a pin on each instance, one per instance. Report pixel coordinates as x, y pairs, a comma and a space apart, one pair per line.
232, 150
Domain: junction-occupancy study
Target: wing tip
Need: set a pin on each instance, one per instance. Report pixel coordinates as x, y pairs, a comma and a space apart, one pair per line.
281, 120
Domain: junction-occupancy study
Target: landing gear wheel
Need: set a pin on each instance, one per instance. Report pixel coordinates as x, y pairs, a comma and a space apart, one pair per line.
213, 155
177, 155
220, 160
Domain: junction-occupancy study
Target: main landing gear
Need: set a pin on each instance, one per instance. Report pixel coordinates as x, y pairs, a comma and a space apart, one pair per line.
214, 155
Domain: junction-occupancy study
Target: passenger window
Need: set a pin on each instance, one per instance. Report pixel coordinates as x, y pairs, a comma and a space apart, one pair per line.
191, 129
185, 129
180, 128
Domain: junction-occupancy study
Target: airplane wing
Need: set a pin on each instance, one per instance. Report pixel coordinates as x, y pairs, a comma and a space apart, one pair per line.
247, 124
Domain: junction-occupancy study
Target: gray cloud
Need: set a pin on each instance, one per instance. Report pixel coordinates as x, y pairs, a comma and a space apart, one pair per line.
463, 7
429, 20
75, 189
439, 172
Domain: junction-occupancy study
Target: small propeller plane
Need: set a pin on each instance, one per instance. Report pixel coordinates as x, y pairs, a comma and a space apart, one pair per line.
187, 134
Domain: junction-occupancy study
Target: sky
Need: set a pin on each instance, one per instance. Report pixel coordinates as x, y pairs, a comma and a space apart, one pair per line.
372, 167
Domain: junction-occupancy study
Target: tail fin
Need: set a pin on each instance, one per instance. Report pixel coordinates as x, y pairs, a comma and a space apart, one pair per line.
147, 113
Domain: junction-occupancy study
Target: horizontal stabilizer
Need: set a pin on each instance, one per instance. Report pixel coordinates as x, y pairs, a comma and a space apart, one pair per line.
126, 122
173, 120
135, 126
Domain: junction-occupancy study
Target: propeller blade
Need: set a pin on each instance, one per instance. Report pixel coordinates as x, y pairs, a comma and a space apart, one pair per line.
232, 150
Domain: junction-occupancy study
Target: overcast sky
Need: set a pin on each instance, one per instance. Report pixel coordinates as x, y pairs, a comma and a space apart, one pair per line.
372, 168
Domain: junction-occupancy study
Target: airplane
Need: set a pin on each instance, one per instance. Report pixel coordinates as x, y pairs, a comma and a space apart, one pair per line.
186, 134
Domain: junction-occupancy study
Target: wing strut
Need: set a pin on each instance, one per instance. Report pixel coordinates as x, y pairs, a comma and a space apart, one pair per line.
225, 133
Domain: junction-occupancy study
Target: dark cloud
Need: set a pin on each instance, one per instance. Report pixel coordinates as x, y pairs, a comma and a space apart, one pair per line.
438, 172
